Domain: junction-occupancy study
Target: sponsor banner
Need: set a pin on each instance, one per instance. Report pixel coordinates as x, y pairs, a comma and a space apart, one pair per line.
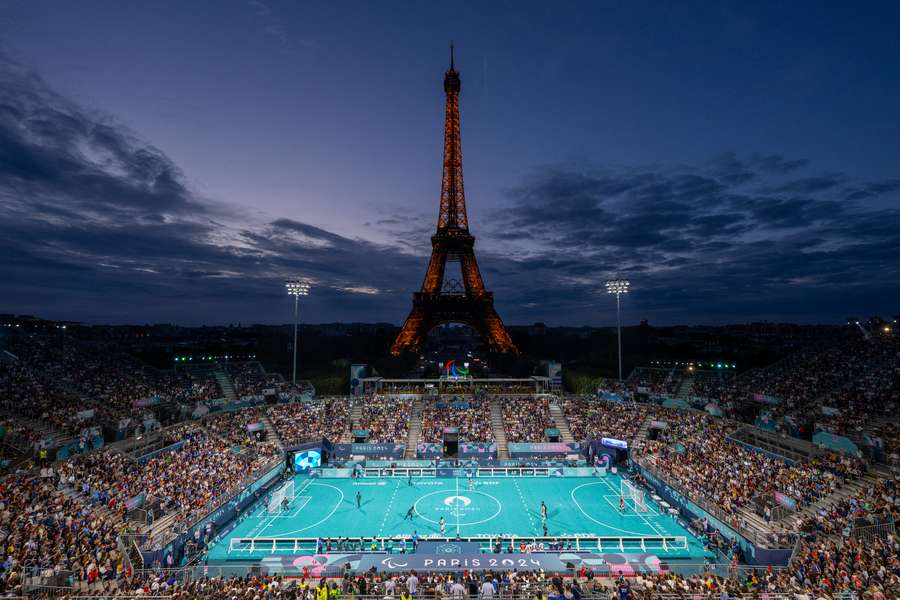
429, 450
478, 449
255, 427
149, 401
554, 372
378, 450
836, 442
785, 500
658, 425
81, 415
830, 411
446, 472
603, 564
614, 443
766, 399
611, 396
357, 374
448, 548
459, 562
408, 463
542, 449
135, 502
581, 471
334, 473
713, 409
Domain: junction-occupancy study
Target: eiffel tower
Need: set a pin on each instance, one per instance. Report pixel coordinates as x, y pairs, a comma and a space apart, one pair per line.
441, 301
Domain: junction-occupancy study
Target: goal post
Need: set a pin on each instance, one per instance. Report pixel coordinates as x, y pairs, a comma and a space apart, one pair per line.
285, 491
633, 496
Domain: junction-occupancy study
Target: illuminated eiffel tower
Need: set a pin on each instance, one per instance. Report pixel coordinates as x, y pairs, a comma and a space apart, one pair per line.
441, 301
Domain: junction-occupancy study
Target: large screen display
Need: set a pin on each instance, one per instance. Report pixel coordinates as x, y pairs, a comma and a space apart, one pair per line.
304, 460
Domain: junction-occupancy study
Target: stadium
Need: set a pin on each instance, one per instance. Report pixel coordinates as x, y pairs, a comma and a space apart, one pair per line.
218, 475
449, 455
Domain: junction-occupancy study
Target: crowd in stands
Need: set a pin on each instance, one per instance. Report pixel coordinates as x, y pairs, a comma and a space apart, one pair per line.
249, 378
710, 385
386, 418
188, 479
655, 380
694, 452
525, 420
472, 417
590, 418
232, 427
307, 421
856, 379
54, 378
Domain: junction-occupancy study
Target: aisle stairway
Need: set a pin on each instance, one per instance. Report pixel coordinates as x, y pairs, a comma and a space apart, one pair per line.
226, 384
415, 428
561, 422
851, 488
355, 414
272, 432
641, 436
499, 431
685, 388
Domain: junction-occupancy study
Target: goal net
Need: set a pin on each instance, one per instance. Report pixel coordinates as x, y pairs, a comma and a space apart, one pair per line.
285, 491
633, 495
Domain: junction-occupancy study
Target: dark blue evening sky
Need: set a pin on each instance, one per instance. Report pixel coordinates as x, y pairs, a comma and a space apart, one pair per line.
173, 161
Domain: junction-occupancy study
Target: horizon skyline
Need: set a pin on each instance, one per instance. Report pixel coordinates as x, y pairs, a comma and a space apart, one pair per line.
183, 183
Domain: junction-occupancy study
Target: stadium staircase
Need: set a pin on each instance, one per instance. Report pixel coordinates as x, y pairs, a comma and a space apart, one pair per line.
274, 432
355, 415
641, 436
225, 382
499, 430
561, 422
685, 388
415, 429
855, 487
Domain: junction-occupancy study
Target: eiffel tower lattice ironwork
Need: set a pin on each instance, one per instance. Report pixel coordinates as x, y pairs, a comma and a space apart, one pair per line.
454, 301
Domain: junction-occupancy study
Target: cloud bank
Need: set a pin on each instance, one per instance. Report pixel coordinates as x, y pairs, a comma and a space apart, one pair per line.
99, 225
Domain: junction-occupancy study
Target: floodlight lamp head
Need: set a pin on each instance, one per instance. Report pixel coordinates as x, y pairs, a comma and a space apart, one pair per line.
297, 287
617, 286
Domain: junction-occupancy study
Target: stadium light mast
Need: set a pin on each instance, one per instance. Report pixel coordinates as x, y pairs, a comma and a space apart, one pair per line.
296, 288
618, 287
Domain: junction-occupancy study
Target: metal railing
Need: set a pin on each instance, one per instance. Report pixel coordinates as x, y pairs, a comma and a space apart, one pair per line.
869, 533
647, 543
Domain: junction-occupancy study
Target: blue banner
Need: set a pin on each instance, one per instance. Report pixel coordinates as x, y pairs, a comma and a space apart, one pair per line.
376, 450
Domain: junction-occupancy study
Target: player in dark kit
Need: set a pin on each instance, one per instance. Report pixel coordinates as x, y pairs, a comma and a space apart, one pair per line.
358, 499
410, 513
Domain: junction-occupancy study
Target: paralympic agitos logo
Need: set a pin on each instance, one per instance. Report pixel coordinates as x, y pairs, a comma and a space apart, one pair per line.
451, 370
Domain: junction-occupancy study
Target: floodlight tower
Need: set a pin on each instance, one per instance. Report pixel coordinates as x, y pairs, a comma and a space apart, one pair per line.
296, 288
618, 287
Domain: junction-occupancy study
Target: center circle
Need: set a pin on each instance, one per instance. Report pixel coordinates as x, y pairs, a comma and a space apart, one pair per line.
470, 508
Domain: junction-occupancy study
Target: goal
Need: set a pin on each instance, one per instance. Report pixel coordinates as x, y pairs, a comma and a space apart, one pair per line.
285, 491
633, 495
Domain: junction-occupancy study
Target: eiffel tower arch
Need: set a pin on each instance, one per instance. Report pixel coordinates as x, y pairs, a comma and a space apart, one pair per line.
439, 300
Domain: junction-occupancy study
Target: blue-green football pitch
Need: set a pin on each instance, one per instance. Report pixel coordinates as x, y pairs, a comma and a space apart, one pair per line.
503, 506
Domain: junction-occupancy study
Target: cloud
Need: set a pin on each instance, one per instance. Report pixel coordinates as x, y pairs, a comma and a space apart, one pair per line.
730, 240
101, 226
